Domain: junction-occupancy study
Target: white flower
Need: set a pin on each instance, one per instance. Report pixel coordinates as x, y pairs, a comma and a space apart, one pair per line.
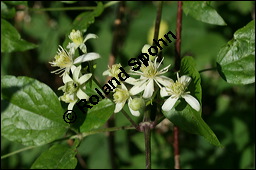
78, 41
112, 71
74, 88
121, 95
64, 60
176, 90
148, 75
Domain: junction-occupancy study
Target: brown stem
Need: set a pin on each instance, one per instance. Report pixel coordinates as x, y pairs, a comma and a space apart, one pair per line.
178, 35
177, 67
116, 44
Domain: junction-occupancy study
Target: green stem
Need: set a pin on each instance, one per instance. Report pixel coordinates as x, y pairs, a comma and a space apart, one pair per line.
111, 3
18, 151
62, 9
208, 69
147, 137
73, 8
82, 135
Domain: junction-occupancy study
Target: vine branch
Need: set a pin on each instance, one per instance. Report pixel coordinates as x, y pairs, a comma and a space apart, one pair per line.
177, 67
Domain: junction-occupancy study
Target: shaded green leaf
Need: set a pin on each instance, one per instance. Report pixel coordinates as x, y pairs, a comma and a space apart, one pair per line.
59, 156
236, 60
7, 12
202, 11
183, 116
11, 40
96, 116
31, 112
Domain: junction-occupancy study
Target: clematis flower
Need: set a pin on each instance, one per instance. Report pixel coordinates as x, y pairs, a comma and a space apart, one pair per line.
78, 41
64, 60
112, 71
148, 75
74, 87
121, 95
177, 90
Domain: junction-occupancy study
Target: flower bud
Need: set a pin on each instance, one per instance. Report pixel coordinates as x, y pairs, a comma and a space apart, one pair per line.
136, 104
145, 50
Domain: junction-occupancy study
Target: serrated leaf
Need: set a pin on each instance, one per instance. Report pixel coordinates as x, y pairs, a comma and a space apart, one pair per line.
236, 60
31, 111
202, 11
59, 156
11, 40
189, 120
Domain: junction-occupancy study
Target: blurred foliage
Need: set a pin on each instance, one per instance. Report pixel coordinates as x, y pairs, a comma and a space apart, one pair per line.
227, 109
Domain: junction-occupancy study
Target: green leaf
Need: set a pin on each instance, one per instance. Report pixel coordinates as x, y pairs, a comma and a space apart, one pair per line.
189, 120
59, 156
236, 60
202, 11
10, 39
31, 111
188, 67
85, 19
93, 118
7, 12
182, 114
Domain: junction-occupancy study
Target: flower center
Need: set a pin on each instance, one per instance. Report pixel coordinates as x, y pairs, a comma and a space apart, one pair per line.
178, 89
120, 95
114, 70
71, 87
76, 37
148, 71
62, 59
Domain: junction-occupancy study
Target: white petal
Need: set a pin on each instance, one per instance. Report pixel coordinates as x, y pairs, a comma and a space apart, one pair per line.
138, 87
148, 92
89, 36
106, 73
71, 105
119, 107
163, 92
169, 103
73, 67
185, 80
134, 113
66, 78
165, 81
83, 48
192, 101
76, 73
84, 78
82, 95
131, 81
86, 57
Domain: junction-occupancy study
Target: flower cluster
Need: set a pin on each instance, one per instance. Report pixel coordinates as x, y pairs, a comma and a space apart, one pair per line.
67, 61
143, 88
